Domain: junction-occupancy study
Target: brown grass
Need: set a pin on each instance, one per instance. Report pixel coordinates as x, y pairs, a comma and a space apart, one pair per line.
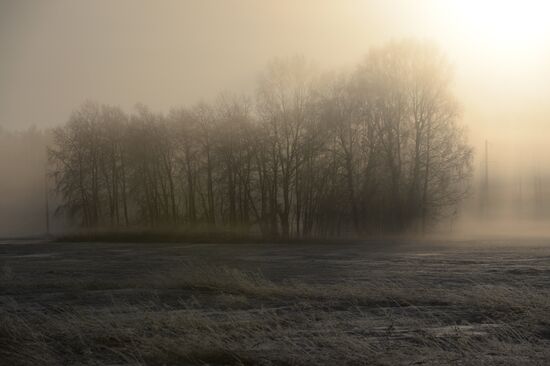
233, 317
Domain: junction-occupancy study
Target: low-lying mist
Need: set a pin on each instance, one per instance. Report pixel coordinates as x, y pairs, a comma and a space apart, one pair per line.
22, 182
309, 155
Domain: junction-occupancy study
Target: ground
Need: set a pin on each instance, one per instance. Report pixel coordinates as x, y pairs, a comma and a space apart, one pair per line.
378, 302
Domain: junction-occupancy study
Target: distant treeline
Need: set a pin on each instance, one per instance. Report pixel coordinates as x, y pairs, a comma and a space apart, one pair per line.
22, 181
377, 149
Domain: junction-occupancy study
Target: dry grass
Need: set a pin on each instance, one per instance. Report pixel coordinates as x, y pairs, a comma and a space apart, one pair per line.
233, 317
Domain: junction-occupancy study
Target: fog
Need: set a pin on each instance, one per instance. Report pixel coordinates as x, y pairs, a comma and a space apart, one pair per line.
58, 54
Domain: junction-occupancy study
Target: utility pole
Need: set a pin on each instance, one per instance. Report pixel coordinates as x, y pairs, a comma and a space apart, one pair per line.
484, 199
46, 202
486, 167
539, 204
520, 201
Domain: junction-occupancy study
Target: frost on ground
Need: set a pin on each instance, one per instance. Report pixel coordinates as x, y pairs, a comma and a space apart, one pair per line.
374, 303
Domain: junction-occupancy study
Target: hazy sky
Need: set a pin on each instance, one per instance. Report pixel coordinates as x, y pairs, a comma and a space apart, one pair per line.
56, 54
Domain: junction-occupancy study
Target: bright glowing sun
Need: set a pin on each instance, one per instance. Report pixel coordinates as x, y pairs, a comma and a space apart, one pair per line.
504, 25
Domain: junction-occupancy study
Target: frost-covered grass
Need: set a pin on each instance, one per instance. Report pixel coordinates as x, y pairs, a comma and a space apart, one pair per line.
221, 311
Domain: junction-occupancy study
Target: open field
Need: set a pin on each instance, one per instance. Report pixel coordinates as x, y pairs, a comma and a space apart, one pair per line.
379, 303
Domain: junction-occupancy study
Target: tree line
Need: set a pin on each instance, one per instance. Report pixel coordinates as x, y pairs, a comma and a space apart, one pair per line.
376, 149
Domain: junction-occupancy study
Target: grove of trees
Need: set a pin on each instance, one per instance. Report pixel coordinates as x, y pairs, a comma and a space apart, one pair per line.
378, 149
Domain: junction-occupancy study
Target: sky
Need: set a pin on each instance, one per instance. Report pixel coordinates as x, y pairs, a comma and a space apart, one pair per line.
57, 54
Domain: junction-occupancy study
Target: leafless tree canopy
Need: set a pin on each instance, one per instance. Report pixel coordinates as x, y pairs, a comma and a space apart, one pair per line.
375, 150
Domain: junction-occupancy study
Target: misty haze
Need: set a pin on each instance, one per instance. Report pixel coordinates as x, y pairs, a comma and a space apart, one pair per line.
274, 183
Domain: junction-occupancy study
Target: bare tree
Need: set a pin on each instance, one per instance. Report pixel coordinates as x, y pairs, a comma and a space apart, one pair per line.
377, 149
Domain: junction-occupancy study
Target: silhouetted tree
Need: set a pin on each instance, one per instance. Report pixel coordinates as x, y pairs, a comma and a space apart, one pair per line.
377, 149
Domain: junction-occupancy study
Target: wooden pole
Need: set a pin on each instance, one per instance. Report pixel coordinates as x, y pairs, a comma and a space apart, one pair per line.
46, 201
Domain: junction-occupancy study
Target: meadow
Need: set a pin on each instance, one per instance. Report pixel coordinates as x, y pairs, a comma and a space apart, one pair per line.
378, 302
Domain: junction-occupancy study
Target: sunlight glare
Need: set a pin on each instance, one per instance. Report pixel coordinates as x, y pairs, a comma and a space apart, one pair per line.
507, 27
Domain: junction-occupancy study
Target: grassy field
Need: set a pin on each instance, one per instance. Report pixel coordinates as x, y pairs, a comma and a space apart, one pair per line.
374, 303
